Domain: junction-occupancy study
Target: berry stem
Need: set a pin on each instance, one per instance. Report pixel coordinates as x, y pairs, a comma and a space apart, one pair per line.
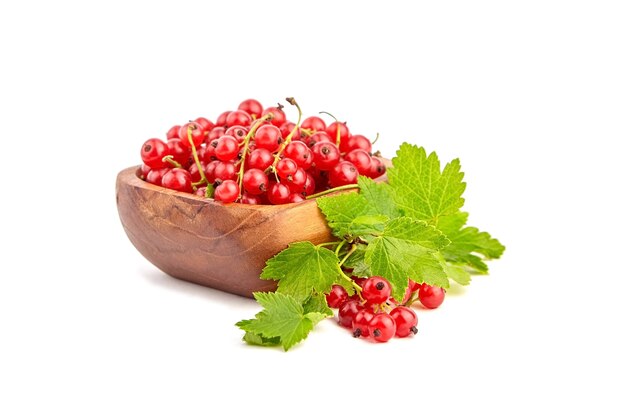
376, 138
293, 102
170, 159
338, 139
246, 145
332, 190
356, 286
347, 255
195, 156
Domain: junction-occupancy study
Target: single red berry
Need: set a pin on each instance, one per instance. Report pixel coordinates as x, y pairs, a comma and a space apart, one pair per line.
209, 171
314, 123
195, 130
347, 311
361, 160
155, 176
337, 296
300, 153
286, 167
226, 148
255, 181
200, 192
178, 179
221, 119
287, 127
361, 321
318, 137
382, 327
278, 113
238, 132
179, 152
355, 142
297, 181
376, 290
344, 132
343, 173
377, 168
252, 107
260, 158
431, 296
206, 124
406, 321
173, 132
268, 137
152, 153
225, 171
325, 155
309, 185
252, 199
226, 192
238, 118
215, 133
195, 172
278, 193
295, 198
143, 171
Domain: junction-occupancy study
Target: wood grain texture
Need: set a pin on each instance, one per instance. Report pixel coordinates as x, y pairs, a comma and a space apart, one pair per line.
223, 246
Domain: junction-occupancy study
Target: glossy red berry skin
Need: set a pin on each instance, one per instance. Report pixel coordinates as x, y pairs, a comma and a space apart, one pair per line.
155, 176
316, 138
286, 167
325, 155
206, 124
238, 132
197, 134
279, 116
215, 133
406, 321
268, 137
260, 158
347, 311
255, 181
195, 172
361, 160
278, 193
221, 119
252, 199
173, 132
376, 290
361, 321
356, 142
179, 152
297, 181
337, 296
314, 123
238, 118
226, 192
224, 171
300, 153
382, 327
309, 185
343, 173
431, 296
178, 179
226, 148
377, 168
344, 132
152, 153
286, 129
252, 107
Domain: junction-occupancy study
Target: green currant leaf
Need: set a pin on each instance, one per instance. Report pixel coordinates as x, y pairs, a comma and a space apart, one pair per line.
283, 317
255, 339
357, 263
407, 248
302, 269
421, 189
317, 304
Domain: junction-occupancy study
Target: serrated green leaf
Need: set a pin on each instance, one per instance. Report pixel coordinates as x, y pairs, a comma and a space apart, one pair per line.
357, 263
317, 304
255, 339
367, 225
283, 317
340, 210
407, 248
302, 269
379, 197
421, 189
457, 273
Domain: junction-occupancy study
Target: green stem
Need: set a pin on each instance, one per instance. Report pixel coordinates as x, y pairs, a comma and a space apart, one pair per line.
293, 102
376, 139
195, 154
170, 159
338, 139
339, 246
356, 286
246, 143
332, 190
347, 255
326, 244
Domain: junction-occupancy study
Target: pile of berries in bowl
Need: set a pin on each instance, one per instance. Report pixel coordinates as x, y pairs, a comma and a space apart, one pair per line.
254, 155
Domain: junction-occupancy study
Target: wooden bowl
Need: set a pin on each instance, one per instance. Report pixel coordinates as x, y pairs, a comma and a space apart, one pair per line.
223, 246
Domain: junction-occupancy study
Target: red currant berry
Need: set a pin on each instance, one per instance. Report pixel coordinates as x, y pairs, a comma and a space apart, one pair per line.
251, 199
200, 192
278, 113
195, 172
337, 296
431, 296
314, 123
178, 179
215, 133
225, 171
226, 148
361, 321
286, 167
255, 181
260, 158
238, 132
252, 107
226, 192
361, 160
378, 168
196, 131
179, 152
155, 176
382, 327
209, 171
300, 153
297, 181
238, 118
143, 171
376, 290
309, 185
356, 142
406, 321
347, 311
342, 174
318, 137
173, 132
325, 155
221, 119
295, 198
205, 123
278, 193
344, 133
268, 137
152, 153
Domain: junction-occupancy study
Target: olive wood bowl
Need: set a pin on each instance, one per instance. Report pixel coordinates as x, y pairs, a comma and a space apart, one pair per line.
223, 246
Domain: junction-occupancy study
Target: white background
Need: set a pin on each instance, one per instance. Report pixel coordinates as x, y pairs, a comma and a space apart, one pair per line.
531, 96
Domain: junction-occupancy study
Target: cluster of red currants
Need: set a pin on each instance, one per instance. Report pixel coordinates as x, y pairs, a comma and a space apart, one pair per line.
254, 155
374, 313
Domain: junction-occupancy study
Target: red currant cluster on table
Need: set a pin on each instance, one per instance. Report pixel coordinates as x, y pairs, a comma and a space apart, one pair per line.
254, 155
374, 314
